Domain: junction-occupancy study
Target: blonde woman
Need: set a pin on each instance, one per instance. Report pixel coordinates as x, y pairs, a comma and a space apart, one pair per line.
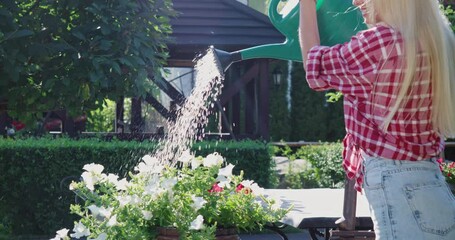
398, 82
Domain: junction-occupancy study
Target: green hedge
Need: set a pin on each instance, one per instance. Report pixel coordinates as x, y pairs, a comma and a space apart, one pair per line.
32, 200
324, 166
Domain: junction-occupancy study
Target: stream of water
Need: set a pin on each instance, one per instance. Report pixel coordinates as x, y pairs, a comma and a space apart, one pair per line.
193, 116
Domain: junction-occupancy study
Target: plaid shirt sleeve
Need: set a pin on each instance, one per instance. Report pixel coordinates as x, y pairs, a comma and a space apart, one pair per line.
350, 67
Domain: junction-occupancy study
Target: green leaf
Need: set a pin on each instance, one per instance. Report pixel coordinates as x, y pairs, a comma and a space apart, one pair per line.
105, 45
116, 67
93, 77
125, 61
19, 34
4, 12
66, 82
333, 96
85, 91
79, 35
105, 29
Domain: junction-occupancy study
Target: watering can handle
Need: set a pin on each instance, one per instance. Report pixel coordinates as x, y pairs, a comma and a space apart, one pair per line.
277, 18
274, 15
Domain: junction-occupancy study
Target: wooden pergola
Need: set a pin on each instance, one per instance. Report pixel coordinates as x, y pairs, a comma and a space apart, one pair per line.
229, 26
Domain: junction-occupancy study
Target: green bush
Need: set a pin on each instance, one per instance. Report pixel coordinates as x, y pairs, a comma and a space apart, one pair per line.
324, 170
33, 199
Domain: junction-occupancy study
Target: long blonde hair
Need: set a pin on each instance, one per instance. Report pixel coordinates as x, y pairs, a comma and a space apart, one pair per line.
423, 26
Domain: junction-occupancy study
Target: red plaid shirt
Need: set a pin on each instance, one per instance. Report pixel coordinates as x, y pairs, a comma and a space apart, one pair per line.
368, 70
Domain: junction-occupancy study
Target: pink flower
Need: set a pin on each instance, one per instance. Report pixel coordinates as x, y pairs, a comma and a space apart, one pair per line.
441, 164
241, 188
216, 188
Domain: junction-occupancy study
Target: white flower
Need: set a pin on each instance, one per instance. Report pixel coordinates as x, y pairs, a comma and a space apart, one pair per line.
135, 199
225, 184
95, 210
112, 178
90, 180
226, 171
213, 159
255, 189
129, 199
149, 160
186, 157
197, 224
92, 175
198, 202
101, 212
112, 221
123, 200
105, 212
196, 162
143, 168
122, 184
149, 165
147, 214
102, 236
169, 183
154, 192
61, 234
223, 181
93, 168
153, 188
80, 231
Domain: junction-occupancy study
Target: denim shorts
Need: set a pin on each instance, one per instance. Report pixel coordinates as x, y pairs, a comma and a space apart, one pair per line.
409, 199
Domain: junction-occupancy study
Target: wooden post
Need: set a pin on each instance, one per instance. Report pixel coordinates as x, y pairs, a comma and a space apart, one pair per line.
263, 98
68, 125
347, 222
119, 125
136, 115
3, 123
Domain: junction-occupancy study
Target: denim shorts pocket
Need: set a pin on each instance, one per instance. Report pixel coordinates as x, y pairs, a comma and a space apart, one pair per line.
430, 203
373, 178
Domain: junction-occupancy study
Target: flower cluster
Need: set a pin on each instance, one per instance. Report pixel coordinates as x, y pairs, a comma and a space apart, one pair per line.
448, 170
195, 197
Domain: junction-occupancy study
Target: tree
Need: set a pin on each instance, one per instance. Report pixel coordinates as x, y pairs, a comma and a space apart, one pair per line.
312, 117
73, 54
449, 12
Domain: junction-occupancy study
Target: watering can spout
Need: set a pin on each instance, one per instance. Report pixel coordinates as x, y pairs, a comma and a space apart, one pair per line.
225, 59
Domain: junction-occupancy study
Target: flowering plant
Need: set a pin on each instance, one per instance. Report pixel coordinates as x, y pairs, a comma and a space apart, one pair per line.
196, 197
448, 170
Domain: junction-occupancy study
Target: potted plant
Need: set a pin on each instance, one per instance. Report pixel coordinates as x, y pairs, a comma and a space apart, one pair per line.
196, 199
448, 170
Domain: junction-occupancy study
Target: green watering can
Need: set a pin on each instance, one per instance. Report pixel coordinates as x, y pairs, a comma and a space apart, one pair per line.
338, 21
